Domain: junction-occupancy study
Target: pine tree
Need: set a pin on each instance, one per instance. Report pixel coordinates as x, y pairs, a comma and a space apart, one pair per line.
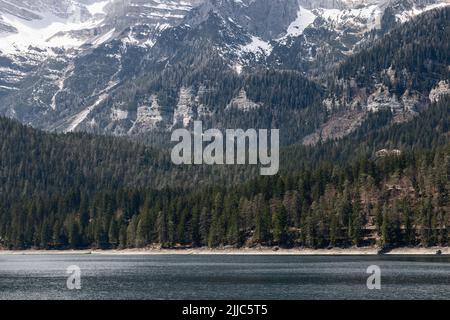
279, 224
113, 233
123, 236
357, 222
162, 227
74, 234
205, 225
46, 234
262, 230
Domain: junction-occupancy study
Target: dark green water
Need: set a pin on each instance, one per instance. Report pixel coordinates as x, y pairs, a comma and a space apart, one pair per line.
223, 277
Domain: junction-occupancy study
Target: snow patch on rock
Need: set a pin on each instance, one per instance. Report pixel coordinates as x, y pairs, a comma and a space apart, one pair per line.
304, 19
415, 11
257, 46
118, 114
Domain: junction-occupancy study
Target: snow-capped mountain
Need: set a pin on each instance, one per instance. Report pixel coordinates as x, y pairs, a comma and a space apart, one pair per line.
34, 31
34, 23
134, 66
29, 33
329, 31
72, 23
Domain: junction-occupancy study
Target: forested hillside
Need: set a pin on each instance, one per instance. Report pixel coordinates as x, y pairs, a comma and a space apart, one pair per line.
365, 156
430, 130
413, 57
77, 191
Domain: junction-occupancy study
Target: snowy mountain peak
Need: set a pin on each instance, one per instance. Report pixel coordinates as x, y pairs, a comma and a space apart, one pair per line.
103, 65
72, 23
35, 24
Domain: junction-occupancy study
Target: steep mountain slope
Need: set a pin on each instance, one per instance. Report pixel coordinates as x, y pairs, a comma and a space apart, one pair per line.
124, 88
147, 66
28, 33
45, 31
39, 162
81, 191
397, 74
327, 32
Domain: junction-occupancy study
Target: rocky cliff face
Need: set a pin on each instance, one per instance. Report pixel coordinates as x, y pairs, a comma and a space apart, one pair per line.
135, 66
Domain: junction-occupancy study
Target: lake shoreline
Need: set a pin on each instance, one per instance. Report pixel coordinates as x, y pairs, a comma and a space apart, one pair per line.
242, 251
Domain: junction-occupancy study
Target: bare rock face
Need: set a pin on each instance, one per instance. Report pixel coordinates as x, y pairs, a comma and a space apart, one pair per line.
442, 89
382, 99
25, 27
184, 113
53, 74
150, 116
189, 107
243, 103
267, 19
62, 82
270, 18
388, 152
336, 128
6, 28
350, 118
119, 115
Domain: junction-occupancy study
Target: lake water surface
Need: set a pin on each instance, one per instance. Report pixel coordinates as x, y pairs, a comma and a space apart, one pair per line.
195, 277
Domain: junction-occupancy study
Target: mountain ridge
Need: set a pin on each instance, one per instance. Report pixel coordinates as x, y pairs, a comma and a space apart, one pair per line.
96, 87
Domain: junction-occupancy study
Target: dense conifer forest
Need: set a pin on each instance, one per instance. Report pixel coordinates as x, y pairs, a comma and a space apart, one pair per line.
409, 58
387, 183
82, 191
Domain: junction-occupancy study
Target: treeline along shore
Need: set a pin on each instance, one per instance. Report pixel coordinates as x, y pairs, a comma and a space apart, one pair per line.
79, 191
